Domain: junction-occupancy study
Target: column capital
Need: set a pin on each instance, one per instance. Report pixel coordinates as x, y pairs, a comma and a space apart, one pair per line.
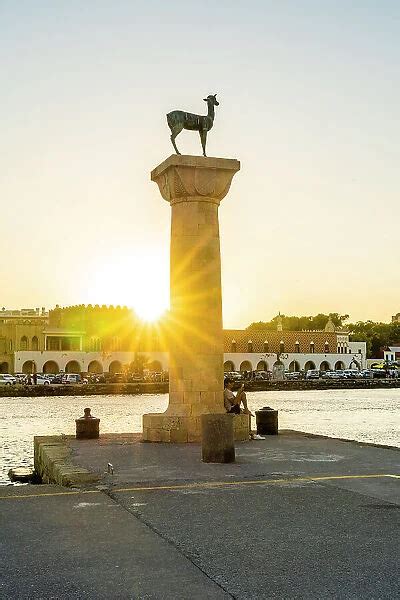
185, 178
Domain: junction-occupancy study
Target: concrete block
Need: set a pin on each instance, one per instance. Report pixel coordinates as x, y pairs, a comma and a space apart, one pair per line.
217, 443
154, 435
165, 435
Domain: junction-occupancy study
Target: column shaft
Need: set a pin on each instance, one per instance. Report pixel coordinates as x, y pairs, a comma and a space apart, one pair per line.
196, 338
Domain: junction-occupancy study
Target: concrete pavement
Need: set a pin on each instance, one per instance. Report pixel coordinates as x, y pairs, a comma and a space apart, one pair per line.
296, 516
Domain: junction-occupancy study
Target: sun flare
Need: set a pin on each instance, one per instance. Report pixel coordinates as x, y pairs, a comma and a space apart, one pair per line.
149, 308
140, 282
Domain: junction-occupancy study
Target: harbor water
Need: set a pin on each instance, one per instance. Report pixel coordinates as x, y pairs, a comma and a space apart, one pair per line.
364, 415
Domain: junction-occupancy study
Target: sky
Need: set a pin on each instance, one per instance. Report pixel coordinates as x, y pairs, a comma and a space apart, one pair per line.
309, 98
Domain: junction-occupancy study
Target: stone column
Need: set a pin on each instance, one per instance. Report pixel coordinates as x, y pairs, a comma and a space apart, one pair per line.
194, 187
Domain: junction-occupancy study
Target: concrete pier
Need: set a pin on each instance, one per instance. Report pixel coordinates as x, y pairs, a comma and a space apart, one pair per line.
296, 516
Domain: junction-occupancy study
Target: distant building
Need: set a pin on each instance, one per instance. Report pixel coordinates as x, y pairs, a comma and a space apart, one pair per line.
396, 318
24, 313
20, 330
325, 350
97, 339
92, 339
391, 353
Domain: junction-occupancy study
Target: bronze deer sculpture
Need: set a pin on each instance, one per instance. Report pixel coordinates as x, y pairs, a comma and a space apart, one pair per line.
178, 120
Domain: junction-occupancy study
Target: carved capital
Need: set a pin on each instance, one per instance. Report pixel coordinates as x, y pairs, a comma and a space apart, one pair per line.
187, 178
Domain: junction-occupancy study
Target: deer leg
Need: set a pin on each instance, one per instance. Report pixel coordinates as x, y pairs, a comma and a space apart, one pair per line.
174, 132
203, 138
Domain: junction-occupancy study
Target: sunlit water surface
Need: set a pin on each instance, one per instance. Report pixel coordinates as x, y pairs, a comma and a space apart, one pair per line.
363, 415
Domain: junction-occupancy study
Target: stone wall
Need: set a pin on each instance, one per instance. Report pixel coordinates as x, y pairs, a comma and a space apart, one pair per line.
52, 461
181, 429
162, 388
28, 391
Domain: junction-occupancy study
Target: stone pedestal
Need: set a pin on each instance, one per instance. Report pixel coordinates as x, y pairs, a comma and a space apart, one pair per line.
194, 187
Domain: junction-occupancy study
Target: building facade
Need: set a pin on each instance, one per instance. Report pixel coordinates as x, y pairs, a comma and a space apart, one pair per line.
107, 339
20, 330
298, 350
391, 354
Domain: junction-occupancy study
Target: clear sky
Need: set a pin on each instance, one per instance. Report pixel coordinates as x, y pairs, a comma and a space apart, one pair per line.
309, 103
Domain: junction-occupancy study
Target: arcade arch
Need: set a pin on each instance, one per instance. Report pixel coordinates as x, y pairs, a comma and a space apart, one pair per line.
115, 367
228, 366
246, 366
309, 365
294, 366
355, 364
95, 367
339, 366
262, 365
325, 366
51, 366
28, 367
72, 367
4, 367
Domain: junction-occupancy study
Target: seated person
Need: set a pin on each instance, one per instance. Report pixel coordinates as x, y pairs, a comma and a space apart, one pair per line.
232, 402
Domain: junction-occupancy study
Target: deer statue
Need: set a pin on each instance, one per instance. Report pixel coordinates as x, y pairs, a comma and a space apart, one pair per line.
178, 120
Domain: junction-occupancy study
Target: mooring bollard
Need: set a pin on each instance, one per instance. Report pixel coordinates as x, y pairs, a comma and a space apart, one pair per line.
217, 438
267, 421
87, 427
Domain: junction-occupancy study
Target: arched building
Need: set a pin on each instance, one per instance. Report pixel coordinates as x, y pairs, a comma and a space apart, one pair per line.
96, 339
327, 349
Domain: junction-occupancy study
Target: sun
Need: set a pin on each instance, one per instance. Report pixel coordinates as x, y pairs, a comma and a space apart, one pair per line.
150, 307
140, 281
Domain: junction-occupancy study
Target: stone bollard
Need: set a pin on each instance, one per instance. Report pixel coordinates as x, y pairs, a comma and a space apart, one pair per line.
217, 438
87, 427
267, 421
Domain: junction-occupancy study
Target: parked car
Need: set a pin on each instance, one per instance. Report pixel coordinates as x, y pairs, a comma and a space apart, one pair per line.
71, 378
379, 373
293, 375
234, 375
136, 378
259, 376
95, 378
332, 375
312, 374
50, 377
118, 378
41, 379
351, 373
7, 379
367, 373
265, 375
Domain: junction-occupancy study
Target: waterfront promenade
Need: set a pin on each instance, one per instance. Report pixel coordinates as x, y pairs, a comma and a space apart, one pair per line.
297, 516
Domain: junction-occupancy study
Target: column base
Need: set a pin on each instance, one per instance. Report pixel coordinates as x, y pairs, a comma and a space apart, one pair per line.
159, 427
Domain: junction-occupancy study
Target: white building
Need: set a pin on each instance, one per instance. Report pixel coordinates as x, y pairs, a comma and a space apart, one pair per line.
391, 353
244, 351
